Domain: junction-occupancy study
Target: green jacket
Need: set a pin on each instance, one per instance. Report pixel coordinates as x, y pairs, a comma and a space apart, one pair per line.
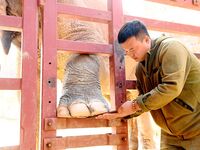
169, 85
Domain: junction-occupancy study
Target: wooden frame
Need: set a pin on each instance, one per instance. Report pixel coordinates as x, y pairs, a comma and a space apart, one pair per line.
27, 24
50, 47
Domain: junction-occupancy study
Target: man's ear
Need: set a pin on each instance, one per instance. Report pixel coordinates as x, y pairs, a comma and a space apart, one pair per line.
147, 39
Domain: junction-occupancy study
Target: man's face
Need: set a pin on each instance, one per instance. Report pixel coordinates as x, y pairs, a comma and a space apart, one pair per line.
136, 48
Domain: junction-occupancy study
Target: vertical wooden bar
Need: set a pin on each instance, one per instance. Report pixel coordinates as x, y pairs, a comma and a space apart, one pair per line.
117, 63
49, 67
117, 66
28, 126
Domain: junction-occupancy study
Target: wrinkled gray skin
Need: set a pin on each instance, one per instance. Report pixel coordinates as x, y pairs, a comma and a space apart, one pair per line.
10, 8
82, 95
82, 86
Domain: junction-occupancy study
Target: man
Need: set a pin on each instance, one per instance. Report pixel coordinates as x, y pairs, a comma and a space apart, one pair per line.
168, 80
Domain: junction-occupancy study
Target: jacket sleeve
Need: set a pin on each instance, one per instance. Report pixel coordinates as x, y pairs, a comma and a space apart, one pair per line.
174, 60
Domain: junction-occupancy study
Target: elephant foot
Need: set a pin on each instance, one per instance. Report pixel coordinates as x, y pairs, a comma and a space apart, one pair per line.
79, 109
62, 111
97, 108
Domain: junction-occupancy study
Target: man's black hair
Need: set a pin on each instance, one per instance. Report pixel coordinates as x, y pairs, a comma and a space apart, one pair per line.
133, 28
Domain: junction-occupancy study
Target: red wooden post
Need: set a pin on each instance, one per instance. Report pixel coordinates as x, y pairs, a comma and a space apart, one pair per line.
49, 67
117, 63
29, 77
117, 67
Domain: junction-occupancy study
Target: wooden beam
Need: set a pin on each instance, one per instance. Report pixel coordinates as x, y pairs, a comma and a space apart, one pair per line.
10, 23
64, 123
87, 13
49, 68
10, 83
165, 26
189, 4
84, 47
117, 67
84, 141
29, 114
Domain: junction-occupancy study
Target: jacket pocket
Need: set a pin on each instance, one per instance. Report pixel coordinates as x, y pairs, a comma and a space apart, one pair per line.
183, 104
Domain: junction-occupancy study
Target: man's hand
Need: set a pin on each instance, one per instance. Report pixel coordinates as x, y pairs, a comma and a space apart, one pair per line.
126, 109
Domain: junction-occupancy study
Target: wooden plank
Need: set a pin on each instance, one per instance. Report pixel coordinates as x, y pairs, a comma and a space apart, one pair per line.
117, 60
87, 14
64, 123
130, 84
189, 4
84, 141
10, 83
28, 120
49, 68
84, 47
123, 130
117, 68
10, 23
10, 148
165, 26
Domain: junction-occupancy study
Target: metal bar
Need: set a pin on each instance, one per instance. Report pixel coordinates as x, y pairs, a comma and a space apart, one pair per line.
28, 124
84, 141
64, 123
84, 47
10, 148
88, 13
10, 23
10, 84
49, 67
167, 26
189, 4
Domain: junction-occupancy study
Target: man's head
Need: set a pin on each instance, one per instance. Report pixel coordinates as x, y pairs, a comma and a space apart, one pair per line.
134, 39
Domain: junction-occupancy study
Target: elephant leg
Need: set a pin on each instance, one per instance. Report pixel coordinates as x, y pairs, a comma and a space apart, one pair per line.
82, 95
